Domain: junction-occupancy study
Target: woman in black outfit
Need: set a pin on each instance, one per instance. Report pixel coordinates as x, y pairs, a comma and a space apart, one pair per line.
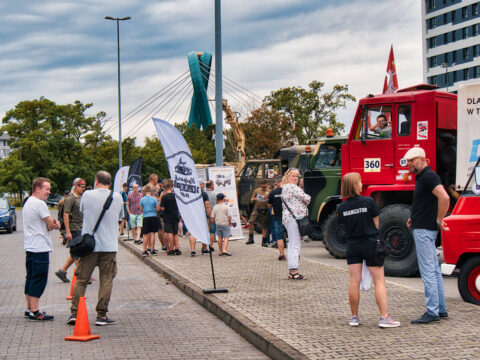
359, 214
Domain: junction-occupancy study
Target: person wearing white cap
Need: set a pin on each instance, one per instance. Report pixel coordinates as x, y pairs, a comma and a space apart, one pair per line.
430, 204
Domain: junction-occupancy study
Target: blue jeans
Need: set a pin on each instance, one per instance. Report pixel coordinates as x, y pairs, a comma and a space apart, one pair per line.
430, 270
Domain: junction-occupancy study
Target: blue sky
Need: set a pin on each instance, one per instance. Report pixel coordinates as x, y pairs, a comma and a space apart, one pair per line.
65, 50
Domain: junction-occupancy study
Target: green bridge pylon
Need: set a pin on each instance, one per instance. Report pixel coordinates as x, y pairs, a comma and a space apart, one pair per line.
199, 64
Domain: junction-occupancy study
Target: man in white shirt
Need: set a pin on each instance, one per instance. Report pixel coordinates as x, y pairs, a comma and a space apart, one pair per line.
106, 246
37, 223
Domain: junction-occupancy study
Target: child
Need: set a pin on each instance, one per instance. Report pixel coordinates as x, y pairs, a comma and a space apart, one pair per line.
222, 216
149, 206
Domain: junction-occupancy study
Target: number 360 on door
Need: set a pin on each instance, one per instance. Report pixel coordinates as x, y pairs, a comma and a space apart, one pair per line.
371, 165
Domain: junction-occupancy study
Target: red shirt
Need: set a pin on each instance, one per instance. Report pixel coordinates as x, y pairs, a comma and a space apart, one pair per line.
134, 202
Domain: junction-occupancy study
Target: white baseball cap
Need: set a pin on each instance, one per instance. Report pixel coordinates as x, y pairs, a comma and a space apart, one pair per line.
414, 153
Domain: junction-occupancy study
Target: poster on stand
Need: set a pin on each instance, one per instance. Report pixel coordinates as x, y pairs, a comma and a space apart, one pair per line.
224, 179
202, 174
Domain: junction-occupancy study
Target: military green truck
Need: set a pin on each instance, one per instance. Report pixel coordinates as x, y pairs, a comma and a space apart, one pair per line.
319, 165
255, 171
322, 181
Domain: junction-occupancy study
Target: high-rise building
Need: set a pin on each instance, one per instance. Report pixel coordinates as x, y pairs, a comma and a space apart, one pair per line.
451, 42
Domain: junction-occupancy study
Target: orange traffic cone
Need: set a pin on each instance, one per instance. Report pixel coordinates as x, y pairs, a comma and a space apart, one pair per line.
74, 278
82, 332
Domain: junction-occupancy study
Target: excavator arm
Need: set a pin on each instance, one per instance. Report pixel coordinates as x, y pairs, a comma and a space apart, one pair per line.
237, 132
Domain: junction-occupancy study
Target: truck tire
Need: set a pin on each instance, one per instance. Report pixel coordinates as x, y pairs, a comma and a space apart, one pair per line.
334, 237
316, 235
393, 230
469, 281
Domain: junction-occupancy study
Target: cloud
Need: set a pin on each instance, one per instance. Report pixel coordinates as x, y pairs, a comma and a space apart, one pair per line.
66, 50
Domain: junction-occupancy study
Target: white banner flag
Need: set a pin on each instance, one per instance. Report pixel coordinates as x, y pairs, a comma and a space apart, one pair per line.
186, 186
121, 177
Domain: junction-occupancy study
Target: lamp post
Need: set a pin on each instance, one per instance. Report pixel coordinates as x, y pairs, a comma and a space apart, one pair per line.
119, 94
445, 66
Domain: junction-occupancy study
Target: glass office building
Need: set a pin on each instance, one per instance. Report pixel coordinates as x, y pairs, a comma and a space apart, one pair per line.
451, 42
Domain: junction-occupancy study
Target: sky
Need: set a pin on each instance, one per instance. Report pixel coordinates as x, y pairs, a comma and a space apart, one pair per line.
66, 51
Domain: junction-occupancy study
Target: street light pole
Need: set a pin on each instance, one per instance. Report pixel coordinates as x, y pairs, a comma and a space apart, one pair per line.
119, 93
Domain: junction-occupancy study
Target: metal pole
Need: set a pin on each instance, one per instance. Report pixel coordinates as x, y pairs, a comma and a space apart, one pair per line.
218, 87
119, 101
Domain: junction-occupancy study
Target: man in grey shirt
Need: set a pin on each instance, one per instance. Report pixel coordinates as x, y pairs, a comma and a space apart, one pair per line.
106, 246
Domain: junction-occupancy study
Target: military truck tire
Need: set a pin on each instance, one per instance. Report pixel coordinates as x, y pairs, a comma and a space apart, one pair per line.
469, 281
393, 229
334, 237
316, 235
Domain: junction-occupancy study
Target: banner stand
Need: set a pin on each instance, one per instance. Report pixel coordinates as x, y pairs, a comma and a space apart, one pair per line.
214, 290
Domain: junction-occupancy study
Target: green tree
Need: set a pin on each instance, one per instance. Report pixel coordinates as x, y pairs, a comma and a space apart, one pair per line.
49, 140
266, 132
153, 159
309, 111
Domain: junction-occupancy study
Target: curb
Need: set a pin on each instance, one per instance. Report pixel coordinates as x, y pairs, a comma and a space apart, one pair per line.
262, 339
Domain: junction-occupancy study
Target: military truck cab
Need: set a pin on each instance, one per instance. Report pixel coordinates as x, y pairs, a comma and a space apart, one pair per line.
416, 116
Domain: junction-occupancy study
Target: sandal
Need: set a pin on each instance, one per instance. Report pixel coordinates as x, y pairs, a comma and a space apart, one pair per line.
295, 276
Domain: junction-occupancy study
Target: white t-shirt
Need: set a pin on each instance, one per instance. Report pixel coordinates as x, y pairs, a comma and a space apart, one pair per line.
220, 213
106, 237
35, 231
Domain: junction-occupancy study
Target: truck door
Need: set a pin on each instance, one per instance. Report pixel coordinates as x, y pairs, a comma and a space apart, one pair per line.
371, 150
404, 140
250, 178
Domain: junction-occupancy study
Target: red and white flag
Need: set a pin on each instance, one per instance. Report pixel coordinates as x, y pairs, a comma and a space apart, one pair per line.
392, 84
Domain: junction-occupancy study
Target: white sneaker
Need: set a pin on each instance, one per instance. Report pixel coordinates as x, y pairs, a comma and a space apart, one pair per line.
388, 322
354, 321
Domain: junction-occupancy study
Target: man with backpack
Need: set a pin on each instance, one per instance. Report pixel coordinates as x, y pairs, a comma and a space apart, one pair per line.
72, 219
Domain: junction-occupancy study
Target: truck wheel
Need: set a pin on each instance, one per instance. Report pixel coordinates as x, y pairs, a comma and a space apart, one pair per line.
469, 281
393, 230
334, 237
316, 235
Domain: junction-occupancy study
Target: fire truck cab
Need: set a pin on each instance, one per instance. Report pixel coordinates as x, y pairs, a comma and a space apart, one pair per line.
384, 128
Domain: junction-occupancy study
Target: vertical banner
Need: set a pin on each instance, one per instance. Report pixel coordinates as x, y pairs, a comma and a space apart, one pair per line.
468, 133
135, 174
186, 186
121, 177
224, 180
202, 174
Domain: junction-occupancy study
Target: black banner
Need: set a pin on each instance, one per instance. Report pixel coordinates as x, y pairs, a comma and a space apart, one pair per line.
135, 174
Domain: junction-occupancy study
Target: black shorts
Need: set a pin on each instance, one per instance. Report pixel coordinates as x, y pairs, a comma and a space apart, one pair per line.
151, 224
171, 228
364, 250
37, 273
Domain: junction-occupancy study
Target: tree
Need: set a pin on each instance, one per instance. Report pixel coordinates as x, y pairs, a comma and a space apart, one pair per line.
310, 113
266, 132
49, 140
153, 159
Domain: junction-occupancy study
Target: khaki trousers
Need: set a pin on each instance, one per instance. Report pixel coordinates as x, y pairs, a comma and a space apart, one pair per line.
107, 265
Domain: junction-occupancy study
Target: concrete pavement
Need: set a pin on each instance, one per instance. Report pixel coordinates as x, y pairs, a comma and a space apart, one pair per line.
308, 319
155, 319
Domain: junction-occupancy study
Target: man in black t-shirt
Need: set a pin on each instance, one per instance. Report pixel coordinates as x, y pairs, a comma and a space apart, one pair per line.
278, 230
430, 204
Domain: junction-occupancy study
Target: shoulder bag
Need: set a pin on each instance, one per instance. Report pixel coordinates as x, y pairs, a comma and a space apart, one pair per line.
382, 249
304, 226
84, 244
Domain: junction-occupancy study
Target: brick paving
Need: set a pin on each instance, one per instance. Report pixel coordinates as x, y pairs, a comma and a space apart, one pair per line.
155, 319
311, 316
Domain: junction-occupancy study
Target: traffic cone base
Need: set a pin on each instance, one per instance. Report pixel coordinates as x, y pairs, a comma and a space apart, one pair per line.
74, 279
82, 332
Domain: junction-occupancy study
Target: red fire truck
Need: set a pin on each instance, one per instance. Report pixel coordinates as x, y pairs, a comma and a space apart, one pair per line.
416, 116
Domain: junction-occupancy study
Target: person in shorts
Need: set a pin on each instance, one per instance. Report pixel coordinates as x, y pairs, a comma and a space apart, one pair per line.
359, 215
37, 222
136, 216
222, 216
149, 207
125, 221
171, 217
